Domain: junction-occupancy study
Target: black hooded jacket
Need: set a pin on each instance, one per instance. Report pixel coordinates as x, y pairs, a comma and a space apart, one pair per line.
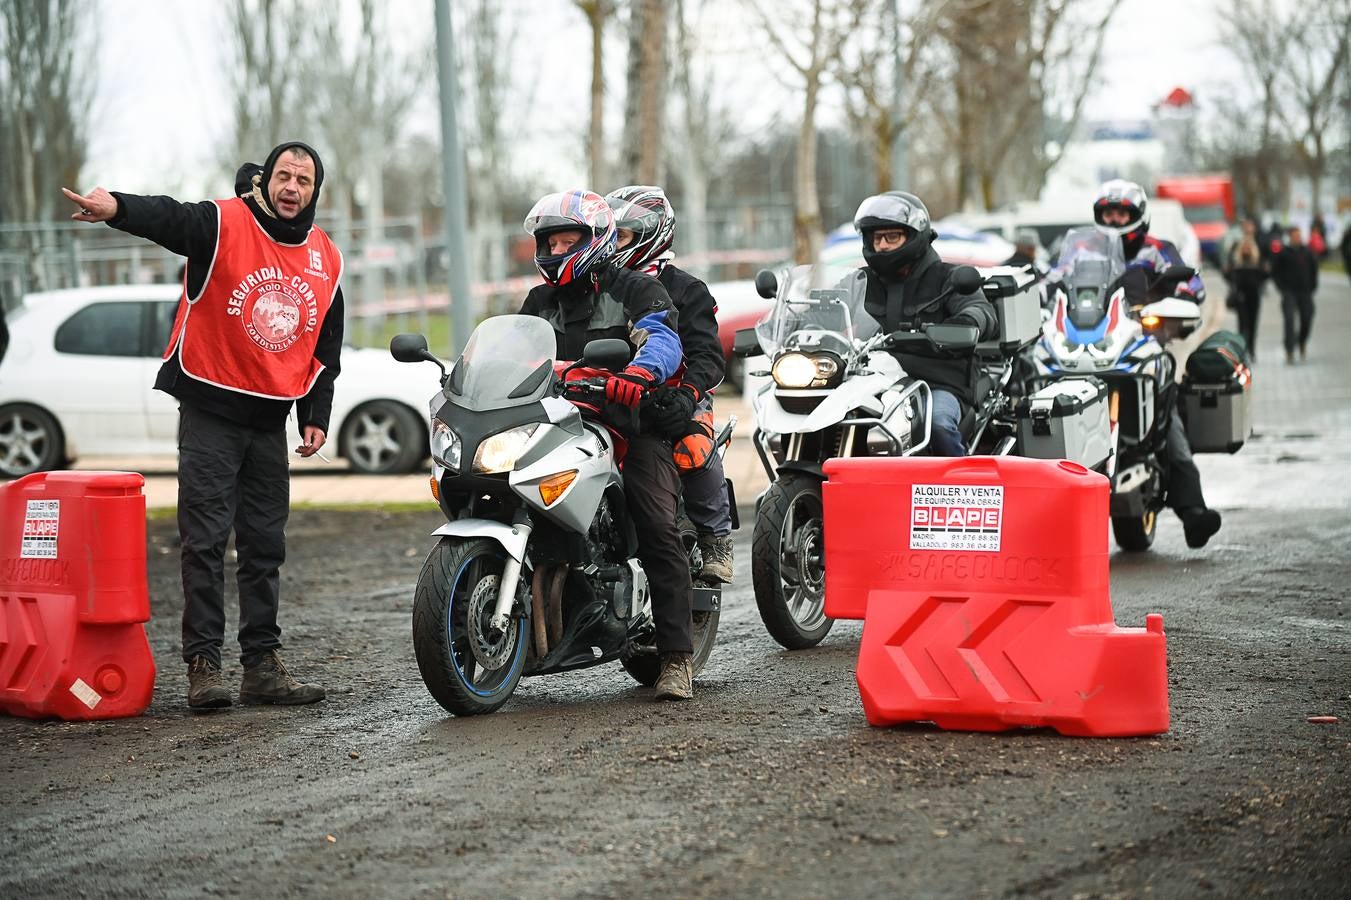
915, 302
190, 229
698, 328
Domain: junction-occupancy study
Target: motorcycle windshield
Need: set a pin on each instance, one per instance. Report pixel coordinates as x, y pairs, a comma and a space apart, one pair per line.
508, 361
1091, 248
1090, 261
803, 305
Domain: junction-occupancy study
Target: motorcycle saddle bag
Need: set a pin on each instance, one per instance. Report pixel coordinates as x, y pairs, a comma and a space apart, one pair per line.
1215, 397
1066, 419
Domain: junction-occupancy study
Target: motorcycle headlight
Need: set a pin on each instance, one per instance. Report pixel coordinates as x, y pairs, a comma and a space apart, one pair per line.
1062, 348
801, 370
499, 452
445, 445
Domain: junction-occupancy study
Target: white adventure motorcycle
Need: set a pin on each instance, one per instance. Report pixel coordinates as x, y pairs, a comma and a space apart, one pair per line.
1092, 335
837, 390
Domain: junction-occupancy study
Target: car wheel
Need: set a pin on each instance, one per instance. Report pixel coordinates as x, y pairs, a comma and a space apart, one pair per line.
383, 438
30, 441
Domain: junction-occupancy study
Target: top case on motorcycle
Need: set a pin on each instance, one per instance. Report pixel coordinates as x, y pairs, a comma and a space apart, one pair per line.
1215, 397
1066, 419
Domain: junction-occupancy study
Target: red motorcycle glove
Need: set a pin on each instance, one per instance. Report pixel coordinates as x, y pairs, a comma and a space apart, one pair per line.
627, 387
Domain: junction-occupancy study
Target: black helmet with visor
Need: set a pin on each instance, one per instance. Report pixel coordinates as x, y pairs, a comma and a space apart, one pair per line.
894, 209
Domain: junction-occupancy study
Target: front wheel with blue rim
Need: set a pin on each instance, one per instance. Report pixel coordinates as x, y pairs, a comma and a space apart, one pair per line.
469, 667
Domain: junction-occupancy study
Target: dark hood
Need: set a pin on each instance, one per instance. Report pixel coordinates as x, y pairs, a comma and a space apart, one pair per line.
251, 186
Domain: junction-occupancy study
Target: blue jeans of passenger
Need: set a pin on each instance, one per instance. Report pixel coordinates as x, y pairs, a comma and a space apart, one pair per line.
945, 438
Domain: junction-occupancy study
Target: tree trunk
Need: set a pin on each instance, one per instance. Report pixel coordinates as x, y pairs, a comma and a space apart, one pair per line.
596, 142
807, 238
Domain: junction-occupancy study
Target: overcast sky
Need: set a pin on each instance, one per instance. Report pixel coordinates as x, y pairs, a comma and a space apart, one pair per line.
161, 104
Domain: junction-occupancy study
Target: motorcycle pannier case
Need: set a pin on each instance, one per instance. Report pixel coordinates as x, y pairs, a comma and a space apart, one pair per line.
1216, 394
1066, 419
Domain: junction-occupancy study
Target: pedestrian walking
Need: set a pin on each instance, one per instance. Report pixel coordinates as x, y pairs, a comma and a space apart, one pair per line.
258, 331
1247, 273
1295, 272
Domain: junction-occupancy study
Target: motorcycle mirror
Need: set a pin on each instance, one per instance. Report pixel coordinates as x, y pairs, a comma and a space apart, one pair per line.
952, 336
766, 285
408, 347
746, 343
966, 280
607, 353
413, 348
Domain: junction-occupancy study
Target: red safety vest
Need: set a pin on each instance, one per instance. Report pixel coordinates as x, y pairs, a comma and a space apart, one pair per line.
254, 326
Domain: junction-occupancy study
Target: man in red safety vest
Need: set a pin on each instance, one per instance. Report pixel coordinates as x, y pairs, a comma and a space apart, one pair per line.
258, 329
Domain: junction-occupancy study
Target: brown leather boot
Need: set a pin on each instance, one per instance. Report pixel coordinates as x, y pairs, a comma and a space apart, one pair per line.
676, 681
269, 682
206, 688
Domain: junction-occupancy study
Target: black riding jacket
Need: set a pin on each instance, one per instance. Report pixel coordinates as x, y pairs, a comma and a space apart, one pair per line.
915, 302
616, 303
698, 328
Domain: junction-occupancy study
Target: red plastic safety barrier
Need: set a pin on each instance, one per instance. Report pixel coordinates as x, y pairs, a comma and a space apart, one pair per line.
983, 585
73, 596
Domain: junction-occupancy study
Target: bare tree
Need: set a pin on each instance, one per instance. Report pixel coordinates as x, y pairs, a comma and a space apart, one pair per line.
44, 101
1317, 58
363, 91
597, 12
705, 126
1010, 64
808, 52
1294, 58
268, 107
645, 102
1257, 37
487, 40
866, 71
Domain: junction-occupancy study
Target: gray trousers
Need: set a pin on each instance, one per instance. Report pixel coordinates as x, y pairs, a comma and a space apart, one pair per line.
231, 476
705, 493
706, 503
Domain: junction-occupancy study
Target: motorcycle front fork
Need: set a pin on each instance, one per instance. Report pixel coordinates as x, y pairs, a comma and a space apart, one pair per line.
511, 572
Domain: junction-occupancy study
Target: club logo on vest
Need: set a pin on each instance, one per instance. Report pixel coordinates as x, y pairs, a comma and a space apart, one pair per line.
273, 319
276, 311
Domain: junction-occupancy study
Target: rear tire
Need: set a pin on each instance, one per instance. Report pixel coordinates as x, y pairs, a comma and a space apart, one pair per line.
456, 593
645, 666
30, 441
787, 562
1135, 534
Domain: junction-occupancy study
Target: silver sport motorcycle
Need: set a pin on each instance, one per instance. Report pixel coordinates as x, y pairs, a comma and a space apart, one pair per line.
536, 569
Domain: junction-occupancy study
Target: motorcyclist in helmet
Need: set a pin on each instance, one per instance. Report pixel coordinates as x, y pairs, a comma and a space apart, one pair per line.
682, 409
1122, 209
585, 297
906, 286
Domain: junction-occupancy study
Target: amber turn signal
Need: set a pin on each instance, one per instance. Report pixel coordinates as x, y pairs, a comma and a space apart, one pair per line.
553, 487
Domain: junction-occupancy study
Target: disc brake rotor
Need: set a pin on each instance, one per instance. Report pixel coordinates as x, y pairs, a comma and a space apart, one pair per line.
809, 547
490, 653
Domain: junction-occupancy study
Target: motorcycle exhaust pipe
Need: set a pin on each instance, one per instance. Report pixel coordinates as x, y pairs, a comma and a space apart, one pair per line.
554, 600
537, 622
